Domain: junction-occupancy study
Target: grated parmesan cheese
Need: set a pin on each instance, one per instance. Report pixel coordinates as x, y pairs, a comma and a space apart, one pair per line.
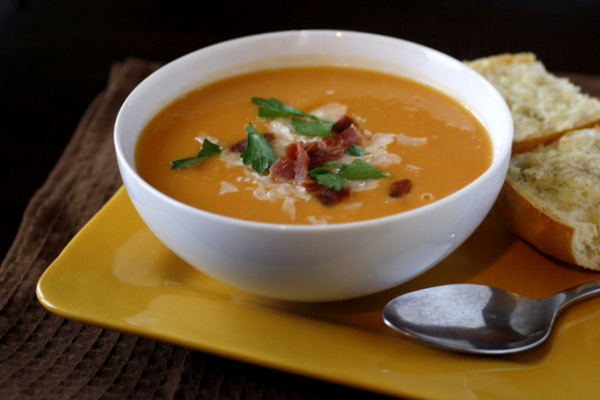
289, 206
410, 141
353, 206
330, 112
413, 168
227, 187
200, 138
318, 221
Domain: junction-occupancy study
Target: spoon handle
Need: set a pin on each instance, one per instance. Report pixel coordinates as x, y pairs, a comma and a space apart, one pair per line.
579, 293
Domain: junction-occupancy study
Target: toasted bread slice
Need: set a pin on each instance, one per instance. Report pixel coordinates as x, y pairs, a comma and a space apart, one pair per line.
543, 105
551, 198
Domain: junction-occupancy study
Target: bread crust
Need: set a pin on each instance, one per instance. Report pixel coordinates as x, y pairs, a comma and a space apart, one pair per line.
530, 222
507, 58
535, 142
516, 77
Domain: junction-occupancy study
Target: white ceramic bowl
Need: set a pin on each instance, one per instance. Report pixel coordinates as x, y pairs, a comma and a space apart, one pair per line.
315, 263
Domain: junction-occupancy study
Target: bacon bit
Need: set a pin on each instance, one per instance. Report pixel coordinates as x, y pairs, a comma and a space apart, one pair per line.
330, 197
333, 140
311, 146
350, 136
319, 155
344, 139
342, 124
293, 165
240, 146
312, 186
400, 188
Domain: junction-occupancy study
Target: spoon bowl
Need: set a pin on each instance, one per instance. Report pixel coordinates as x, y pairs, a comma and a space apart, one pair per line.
480, 319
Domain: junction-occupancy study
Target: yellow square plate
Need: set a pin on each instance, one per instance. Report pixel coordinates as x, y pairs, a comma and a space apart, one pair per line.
117, 275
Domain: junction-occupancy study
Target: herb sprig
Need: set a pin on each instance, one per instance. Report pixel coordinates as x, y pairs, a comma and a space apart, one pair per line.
258, 151
356, 170
310, 126
208, 149
274, 108
316, 128
355, 150
327, 178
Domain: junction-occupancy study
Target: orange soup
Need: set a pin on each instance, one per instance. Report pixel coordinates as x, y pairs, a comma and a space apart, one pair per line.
424, 144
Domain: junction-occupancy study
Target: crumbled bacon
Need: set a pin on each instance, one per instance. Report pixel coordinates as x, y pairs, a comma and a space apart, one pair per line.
333, 140
240, 146
343, 134
342, 124
320, 155
292, 165
312, 186
331, 197
350, 136
400, 188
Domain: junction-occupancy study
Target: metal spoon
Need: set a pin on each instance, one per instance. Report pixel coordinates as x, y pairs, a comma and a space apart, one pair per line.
480, 319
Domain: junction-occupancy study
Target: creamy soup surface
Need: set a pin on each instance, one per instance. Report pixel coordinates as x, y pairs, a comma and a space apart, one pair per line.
411, 131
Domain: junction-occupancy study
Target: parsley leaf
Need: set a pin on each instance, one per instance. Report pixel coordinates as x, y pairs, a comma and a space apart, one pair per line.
317, 128
258, 151
357, 170
355, 150
208, 149
327, 178
275, 108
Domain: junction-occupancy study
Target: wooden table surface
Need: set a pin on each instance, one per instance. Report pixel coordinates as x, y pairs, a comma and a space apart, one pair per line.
56, 58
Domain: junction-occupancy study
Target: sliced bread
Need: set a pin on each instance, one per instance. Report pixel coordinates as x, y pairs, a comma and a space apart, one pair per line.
543, 105
551, 198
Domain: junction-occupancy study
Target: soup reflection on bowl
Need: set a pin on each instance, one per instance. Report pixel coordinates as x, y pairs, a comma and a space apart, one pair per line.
313, 165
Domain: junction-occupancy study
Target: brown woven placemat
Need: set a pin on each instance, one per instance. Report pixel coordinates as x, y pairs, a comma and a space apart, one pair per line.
43, 356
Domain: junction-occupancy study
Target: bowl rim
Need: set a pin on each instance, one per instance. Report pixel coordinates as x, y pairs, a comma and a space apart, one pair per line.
500, 154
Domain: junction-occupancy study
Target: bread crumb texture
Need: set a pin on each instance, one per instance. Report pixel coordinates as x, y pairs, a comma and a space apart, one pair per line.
562, 180
541, 103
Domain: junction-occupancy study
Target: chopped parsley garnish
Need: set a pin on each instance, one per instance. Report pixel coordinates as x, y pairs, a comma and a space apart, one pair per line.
357, 170
208, 149
259, 155
327, 178
274, 108
309, 128
355, 150
258, 151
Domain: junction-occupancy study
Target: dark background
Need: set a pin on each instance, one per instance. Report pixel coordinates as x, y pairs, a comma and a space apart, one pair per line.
55, 55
